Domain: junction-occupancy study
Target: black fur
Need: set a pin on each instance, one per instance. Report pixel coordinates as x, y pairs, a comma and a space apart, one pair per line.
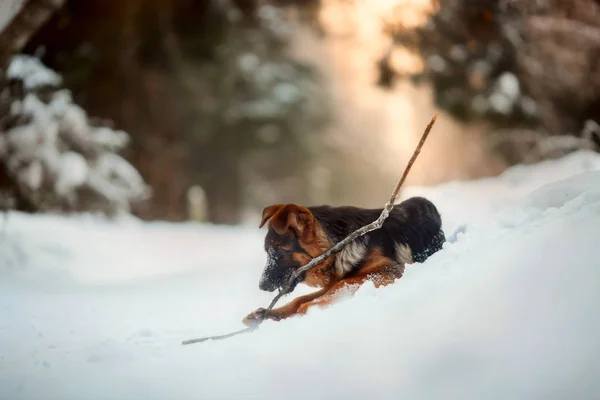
415, 222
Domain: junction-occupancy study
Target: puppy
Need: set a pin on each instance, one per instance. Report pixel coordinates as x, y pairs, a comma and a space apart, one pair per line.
411, 233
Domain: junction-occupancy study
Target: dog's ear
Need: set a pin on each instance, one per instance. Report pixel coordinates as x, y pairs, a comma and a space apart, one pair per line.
268, 212
298, 219
302, 221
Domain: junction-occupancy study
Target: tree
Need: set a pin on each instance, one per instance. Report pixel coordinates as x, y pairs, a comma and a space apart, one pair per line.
531, 68
205, 89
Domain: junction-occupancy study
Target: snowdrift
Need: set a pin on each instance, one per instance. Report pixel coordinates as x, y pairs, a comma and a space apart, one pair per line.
507, 310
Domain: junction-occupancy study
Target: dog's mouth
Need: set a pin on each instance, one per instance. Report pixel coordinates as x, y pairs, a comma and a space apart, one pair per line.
295, 283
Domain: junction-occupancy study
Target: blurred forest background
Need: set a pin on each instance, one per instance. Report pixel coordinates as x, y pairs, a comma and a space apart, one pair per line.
210, 110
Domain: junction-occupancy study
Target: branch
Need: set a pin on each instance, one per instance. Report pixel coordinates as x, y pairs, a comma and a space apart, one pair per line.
28, 20
220, 337
337, 247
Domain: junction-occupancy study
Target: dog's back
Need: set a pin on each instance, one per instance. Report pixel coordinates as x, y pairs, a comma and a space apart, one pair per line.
414, 222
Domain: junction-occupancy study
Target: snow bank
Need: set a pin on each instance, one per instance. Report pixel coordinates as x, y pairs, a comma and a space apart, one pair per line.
507, 310
468, 202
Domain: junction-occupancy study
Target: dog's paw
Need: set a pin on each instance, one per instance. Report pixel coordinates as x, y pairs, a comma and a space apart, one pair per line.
255, 317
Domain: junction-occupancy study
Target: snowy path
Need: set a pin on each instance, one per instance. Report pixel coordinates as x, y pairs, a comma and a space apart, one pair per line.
94, 310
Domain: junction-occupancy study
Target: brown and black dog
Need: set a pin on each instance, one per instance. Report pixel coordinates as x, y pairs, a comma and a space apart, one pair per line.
411, 233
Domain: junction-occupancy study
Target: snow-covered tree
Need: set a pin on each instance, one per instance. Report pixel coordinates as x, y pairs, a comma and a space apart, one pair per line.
52, 157
529, 68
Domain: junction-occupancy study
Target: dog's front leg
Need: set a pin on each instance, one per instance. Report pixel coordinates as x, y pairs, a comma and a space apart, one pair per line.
283, 312
343, 287
375, 273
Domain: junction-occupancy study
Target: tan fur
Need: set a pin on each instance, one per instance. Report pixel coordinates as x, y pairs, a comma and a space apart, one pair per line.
321, 274
349, 257
380, 272
379, 269
403, 254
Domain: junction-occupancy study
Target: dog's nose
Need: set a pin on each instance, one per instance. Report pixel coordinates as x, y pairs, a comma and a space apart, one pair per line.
266, 285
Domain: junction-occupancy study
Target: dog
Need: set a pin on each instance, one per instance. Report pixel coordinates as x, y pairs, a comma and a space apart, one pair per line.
411, 233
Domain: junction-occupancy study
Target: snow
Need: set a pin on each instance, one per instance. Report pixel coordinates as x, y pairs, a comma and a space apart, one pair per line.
437, 63
509, 85
506, 94
32, 72
56, 146
249, 62
507, 310
501, 103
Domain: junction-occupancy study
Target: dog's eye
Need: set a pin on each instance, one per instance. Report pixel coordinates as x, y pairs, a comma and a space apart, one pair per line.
278, 254
282, 253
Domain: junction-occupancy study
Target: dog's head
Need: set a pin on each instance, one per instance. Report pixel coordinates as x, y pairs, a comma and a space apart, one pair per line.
290, 243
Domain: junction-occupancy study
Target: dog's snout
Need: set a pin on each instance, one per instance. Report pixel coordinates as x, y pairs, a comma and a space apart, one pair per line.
267, 281
266, 285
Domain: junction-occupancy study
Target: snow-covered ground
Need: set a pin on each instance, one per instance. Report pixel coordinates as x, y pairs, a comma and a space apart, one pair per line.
507, 310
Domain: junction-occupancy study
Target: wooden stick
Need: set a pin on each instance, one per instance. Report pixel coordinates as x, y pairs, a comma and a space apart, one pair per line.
338, 246
220, 337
